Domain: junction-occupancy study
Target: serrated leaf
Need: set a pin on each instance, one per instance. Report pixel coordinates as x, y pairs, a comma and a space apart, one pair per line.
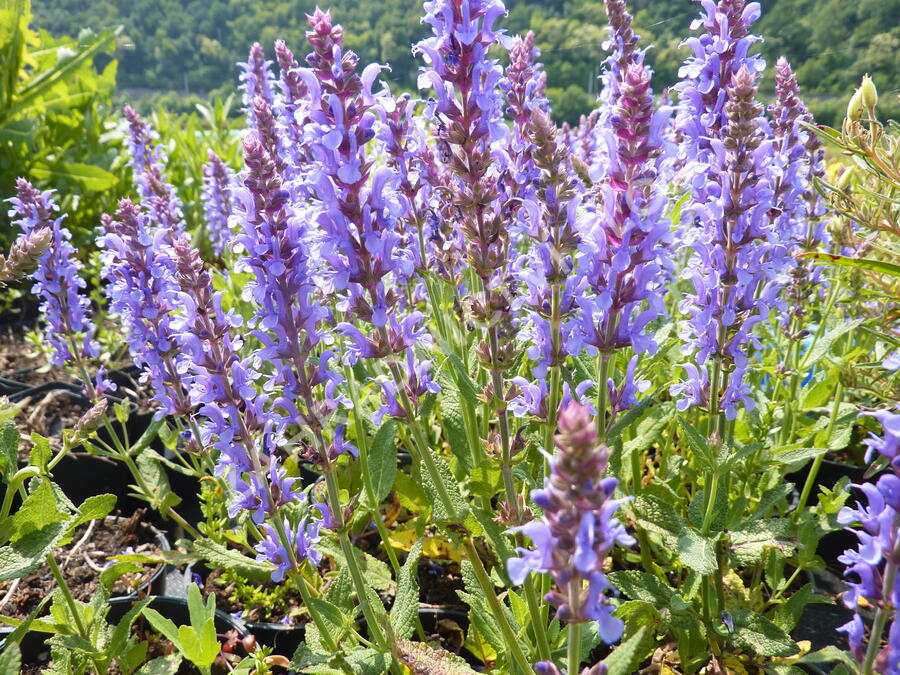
163, 665
699, 446
406, 603
793, 455
95, 507
229, 559
757, 634
9, 450
823, 345
10, 658
383, 461
122, 630
625, 421
453, 423
696, 551
657, 515
648, 588
40, 452
420, 658
626, 658
464, 384
651, 426
749, 540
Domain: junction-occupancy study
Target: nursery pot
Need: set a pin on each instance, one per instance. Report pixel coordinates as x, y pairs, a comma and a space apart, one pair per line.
33, 642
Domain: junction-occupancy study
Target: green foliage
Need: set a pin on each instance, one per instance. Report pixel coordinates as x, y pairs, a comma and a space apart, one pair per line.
196, 642
53, 94
191, 47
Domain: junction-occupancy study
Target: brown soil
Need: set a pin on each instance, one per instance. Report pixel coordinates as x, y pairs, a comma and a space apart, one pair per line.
213, 583
82, 562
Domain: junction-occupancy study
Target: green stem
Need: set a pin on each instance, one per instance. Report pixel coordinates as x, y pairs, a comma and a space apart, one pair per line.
324, 631
540, 630
67, 594
817, 462
574, 648
18, 479
602, 395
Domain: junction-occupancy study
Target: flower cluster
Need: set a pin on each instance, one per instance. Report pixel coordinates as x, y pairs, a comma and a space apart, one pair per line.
141, 288
256, 82
875, 563
148, 161
218, 181
578, 527
731, 201
24, 254
57, 280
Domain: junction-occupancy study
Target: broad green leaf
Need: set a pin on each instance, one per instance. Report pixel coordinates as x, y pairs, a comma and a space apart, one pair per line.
750, 540
11, 658
40, 452
406, 603
696, 551
123, 629
657, 515
421, 658
383, 461
796, 455
229, 559
39, 510
86, 176
163, 665
464, 384
163, 626
95, 507
651, 426
823, 345
758, 635
699, 446
626, 658
643, 586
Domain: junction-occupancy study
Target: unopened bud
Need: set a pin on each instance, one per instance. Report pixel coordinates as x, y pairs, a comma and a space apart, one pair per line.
90, 421
855, 107
24, 254
869, 92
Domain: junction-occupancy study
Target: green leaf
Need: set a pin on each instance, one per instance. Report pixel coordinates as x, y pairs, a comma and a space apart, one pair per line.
383, 461
787, 615
39, 510
85, 176
163, 626
335, 620
406, 603
368, 662
870, 264
626, 421
627, 657
449, 486
163, 665
699, 446
696, 551
229, 559
648, 588
122, 630
421, 658
651, 426
793, 455
657, 515
159, 491
40, 452
95, 507
750, 540
9, 450
757, 634
453, 423
823, 345
11, 658
111, 574
464, 384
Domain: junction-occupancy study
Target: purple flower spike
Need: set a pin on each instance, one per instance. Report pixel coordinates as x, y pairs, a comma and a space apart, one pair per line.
218, 181
875, 562
65, 309
256, 82
143, 291
578, 527
148, 160
736, 252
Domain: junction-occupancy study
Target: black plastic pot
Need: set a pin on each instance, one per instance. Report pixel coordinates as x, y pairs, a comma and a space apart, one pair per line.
32, 642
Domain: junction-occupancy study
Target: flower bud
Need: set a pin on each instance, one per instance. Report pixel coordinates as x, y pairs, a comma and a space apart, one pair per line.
869, 92
855, 107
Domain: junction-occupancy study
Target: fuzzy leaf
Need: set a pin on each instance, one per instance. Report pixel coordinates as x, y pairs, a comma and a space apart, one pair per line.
9, 450
657, 515
420, 658
11, 658
759, 635
406, 604
383, 461
699, 446
626, 658
643, 586
229, 559
696, 551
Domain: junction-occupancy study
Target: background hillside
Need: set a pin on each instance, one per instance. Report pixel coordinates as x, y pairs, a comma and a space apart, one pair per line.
173, 47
